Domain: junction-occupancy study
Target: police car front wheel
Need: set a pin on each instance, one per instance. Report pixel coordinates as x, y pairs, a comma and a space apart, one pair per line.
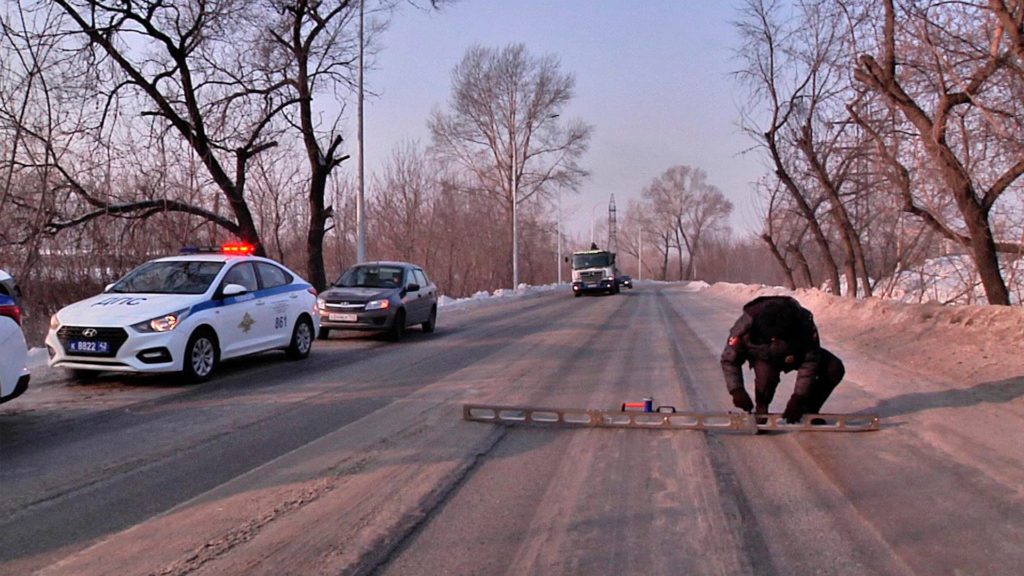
200, 356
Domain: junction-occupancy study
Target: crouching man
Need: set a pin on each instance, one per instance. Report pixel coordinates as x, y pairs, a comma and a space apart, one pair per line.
775, 335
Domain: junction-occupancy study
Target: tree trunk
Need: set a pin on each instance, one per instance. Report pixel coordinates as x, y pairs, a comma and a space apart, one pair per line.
316, 274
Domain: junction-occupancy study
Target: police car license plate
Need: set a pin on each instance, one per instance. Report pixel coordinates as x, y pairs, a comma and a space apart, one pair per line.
343, 317
89, 346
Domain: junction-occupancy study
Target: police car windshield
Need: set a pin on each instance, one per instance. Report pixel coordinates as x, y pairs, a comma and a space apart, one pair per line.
371, 277
170, 277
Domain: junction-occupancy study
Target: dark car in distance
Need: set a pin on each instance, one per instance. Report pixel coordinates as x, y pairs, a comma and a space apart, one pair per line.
379, 296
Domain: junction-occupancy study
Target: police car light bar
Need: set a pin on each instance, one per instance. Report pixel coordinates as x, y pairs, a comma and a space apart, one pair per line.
240, 248
231, 248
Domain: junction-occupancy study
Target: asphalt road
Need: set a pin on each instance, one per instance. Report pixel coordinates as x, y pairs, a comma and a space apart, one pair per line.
356, 460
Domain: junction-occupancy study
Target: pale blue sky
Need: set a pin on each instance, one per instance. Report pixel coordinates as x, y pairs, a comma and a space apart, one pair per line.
653, 77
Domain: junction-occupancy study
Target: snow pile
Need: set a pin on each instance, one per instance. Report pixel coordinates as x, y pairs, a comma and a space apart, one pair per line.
949, 280
483, 296
967, 342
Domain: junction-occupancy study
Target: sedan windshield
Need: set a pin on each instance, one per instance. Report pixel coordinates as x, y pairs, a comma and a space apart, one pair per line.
169, 277
371, 277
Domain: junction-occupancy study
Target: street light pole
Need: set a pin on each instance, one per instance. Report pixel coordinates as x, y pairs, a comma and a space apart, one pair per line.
515, 214
360, 197
515, 200
558, 261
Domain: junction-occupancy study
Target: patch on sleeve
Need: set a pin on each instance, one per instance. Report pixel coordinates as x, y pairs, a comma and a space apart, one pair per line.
734, 340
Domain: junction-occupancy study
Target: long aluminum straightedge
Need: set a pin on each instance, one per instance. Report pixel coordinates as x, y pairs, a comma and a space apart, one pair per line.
737, 421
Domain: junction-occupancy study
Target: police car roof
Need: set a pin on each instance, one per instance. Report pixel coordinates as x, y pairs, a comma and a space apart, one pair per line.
209, 257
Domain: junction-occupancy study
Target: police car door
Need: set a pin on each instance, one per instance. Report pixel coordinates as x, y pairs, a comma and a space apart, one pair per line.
239, 319
282, 305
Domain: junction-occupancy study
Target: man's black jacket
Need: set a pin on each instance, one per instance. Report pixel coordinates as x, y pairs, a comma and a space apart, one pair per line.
795, 348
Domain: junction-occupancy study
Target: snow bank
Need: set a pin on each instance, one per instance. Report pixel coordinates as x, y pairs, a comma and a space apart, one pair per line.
970, 341
501, 294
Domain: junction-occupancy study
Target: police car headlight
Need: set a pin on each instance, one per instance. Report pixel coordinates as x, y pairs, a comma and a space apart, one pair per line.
164, 323
54, 322
378, 304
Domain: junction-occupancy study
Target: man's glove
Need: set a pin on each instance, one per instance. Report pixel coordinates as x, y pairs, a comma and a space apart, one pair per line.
794, 410
741, 400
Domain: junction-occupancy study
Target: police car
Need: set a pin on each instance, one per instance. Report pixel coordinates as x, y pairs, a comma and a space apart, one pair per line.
185, 314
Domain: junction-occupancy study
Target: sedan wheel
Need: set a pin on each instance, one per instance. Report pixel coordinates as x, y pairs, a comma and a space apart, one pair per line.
431, 322
398, 328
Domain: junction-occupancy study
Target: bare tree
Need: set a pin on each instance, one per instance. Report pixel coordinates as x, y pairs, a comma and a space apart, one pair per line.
780, 77
318, 50
201, 79
953, 77
402, 198
503, 127
682, 198
707, 216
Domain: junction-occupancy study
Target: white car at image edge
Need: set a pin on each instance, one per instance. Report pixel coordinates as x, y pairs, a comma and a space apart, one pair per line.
14, 374
185, 314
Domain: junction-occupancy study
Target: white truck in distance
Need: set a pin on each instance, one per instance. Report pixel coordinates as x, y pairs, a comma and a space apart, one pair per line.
594, 271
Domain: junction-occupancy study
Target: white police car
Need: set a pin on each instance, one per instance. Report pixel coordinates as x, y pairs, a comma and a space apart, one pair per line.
185, 314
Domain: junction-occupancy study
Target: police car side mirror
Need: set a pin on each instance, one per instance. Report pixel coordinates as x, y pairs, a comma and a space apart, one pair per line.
233, 290
108, 287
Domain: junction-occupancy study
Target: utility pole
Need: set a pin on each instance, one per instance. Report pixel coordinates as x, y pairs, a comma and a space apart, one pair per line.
360, 196
558, 259
515, 212
613, 242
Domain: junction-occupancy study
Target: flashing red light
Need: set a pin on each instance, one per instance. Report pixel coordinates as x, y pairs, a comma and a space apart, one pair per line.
238, 248
11, 311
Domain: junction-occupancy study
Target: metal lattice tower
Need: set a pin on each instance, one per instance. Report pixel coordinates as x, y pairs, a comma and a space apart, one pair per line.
613, 244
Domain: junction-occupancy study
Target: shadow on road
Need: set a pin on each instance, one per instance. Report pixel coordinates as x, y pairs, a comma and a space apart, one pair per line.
998, 392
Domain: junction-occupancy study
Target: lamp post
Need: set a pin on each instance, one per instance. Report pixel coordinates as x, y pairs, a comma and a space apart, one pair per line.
515, 213
360, 196
515, 200
558, 260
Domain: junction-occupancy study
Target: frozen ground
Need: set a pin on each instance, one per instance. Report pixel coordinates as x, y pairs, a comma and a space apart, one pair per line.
936, 491
970, 342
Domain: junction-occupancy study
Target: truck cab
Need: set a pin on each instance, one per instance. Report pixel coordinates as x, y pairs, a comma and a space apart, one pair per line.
594, 271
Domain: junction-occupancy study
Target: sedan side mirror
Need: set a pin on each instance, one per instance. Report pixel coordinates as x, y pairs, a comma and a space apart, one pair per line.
233, 290
412, 287
109, 286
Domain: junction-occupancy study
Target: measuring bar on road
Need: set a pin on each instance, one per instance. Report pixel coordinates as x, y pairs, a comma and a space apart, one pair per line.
736, 421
